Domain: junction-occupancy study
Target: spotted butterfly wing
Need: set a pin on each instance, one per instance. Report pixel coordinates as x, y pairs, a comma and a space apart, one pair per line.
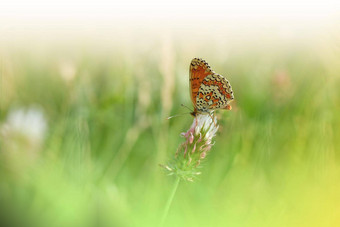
209, 90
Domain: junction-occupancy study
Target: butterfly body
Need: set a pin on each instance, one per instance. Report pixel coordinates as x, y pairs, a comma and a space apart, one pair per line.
209, 90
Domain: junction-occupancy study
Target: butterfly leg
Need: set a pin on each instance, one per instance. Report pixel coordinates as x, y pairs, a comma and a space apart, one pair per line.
213, 119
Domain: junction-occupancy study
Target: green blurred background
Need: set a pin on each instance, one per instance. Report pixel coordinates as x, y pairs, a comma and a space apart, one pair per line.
83, 125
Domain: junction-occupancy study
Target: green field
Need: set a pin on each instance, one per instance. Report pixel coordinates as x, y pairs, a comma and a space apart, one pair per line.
83, 130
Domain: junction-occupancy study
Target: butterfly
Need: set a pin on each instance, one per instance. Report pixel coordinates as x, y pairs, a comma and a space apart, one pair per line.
208, 90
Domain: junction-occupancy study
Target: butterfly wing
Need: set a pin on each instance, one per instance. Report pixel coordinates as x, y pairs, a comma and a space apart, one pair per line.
215, 92
199, 69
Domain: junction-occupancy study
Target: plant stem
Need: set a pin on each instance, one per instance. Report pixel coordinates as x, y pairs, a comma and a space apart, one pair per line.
169, 202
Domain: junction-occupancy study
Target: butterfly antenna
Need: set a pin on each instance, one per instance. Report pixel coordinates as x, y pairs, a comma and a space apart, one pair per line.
187, 107
177, 115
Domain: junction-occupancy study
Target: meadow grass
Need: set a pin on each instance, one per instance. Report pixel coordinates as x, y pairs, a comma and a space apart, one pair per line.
96, 163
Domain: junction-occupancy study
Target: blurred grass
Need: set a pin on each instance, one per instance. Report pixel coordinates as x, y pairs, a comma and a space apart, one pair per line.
275, 162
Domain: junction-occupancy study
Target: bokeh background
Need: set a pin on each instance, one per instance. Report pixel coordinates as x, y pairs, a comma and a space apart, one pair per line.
85, 89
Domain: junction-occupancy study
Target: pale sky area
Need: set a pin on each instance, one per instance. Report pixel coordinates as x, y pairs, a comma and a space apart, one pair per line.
134, 10
18, 17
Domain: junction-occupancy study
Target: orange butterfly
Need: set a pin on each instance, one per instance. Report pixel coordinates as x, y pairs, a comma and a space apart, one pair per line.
209, 90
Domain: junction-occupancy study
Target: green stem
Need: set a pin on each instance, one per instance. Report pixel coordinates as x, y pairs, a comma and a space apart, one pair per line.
169, 202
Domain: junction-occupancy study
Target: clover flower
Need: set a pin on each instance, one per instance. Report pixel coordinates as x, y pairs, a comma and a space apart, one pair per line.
30, 123
197, 144
22, 136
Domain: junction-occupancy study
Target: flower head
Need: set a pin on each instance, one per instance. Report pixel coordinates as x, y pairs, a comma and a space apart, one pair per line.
198, 142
